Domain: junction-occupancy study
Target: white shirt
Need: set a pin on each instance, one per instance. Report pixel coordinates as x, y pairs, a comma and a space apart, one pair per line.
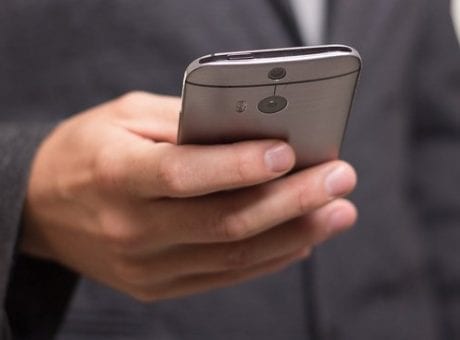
310, 16
456, 15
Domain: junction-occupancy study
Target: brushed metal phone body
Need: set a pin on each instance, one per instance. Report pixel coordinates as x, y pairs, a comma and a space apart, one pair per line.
311, 89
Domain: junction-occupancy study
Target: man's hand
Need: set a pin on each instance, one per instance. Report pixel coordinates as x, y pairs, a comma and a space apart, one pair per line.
114, 198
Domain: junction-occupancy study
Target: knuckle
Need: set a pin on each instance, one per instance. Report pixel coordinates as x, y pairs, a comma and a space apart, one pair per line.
109, 172
244, 165
305, 200
130, 272
238, 257
306, 252
131, 98
125, 105
169, 176
120, 236
231, 227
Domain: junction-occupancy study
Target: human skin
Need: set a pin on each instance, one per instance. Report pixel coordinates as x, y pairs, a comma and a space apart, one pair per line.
112, 197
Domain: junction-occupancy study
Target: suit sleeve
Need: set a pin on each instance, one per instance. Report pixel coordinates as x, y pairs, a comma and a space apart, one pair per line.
436, 152
24, 282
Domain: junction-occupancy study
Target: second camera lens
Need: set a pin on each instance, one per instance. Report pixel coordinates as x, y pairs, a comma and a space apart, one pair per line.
277, 73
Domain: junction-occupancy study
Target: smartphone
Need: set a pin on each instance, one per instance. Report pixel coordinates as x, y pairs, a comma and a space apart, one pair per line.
300, 95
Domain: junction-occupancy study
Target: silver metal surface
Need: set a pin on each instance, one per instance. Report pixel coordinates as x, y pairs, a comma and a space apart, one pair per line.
319, 88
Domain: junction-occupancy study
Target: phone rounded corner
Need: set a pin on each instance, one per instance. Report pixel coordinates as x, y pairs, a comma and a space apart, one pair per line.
357, 57
194, 66
349, 52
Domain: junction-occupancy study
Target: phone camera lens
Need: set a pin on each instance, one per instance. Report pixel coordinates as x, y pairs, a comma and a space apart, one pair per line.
272, 104
277, 73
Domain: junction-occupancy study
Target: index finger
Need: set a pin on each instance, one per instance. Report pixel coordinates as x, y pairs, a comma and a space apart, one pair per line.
168, 170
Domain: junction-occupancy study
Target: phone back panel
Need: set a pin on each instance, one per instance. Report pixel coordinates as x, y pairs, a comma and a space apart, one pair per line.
221, 106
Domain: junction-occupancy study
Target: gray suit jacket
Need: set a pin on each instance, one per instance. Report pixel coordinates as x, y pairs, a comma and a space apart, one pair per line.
395, 276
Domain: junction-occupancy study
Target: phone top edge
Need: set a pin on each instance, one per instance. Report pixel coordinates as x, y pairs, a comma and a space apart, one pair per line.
248, 57
246, 68
300, 51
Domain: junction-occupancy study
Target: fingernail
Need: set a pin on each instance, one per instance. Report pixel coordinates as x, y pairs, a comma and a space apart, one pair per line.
338, 221
340, 181
279, 158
